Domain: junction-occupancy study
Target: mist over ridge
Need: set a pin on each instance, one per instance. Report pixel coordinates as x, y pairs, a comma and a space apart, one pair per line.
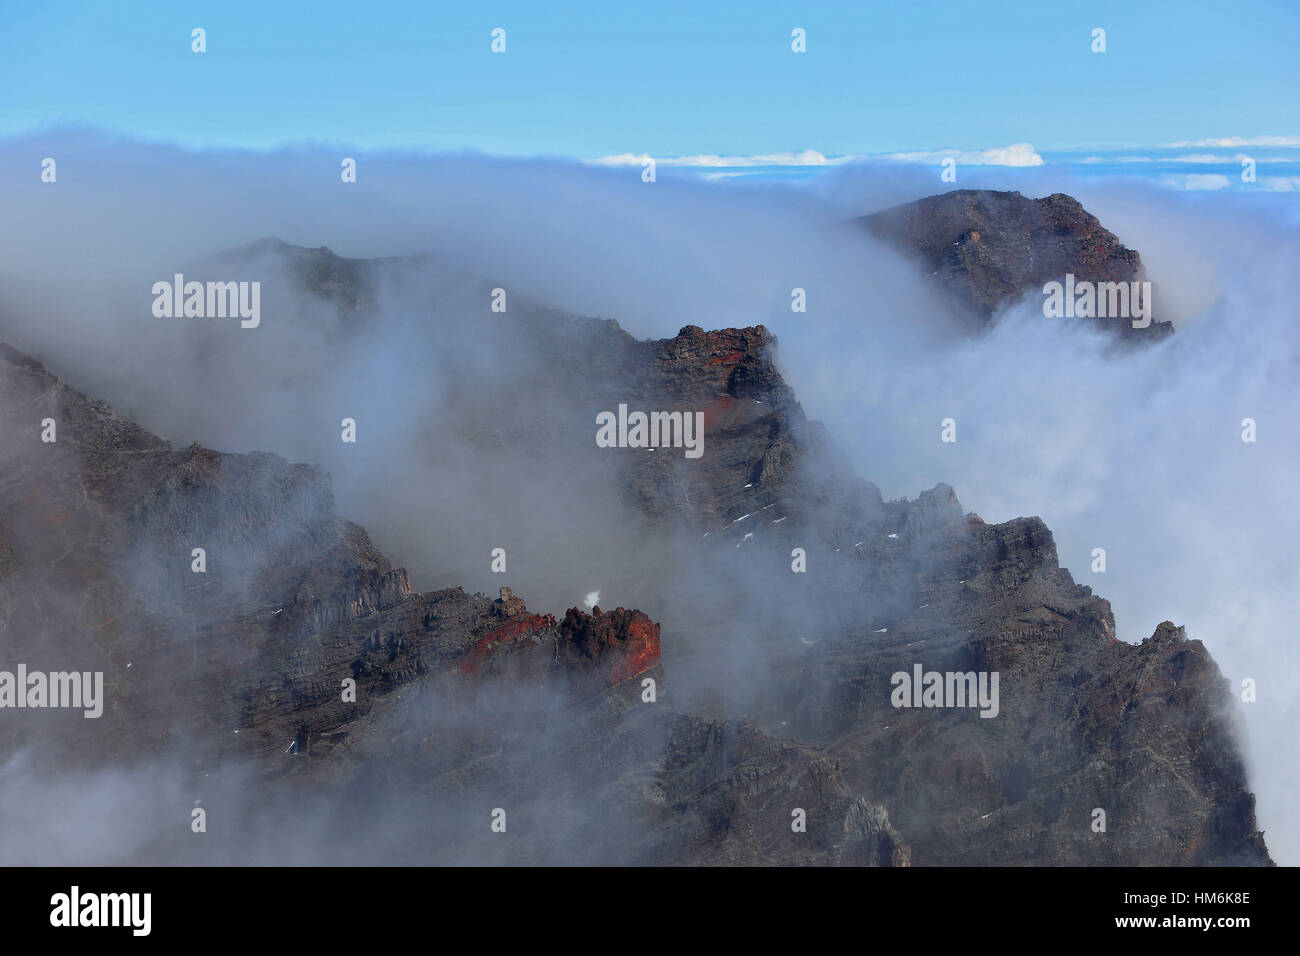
1138, 451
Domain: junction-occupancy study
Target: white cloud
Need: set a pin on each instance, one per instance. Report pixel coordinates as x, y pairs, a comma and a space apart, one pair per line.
1117, 159
807, 157
1211, 158
1197, 181
1233, 141
1203, 159
1018, 154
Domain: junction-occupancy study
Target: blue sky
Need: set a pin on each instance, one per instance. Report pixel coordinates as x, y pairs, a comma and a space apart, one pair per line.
665, 78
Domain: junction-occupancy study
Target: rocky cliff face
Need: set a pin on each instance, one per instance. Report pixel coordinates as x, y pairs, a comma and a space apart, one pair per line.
603, 737
242, 668
1084, 717
987, 248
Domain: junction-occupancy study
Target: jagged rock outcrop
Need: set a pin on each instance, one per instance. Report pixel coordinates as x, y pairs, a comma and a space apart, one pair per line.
781, 685
870, 840
458, 702
987, 247
902, 583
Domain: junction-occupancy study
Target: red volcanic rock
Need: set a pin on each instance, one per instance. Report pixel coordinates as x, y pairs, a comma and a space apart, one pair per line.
587, 653
507, 634
603, 650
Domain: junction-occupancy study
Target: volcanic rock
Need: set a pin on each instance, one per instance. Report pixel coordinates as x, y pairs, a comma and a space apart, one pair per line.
988, 248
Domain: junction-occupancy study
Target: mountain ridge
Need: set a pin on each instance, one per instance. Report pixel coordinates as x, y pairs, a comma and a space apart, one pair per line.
1086, 721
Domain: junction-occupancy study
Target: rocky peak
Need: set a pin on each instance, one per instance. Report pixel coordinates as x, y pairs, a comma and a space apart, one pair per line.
987, 248
462, 699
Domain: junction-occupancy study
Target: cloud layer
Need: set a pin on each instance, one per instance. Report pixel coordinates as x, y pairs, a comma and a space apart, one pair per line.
1137, 452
